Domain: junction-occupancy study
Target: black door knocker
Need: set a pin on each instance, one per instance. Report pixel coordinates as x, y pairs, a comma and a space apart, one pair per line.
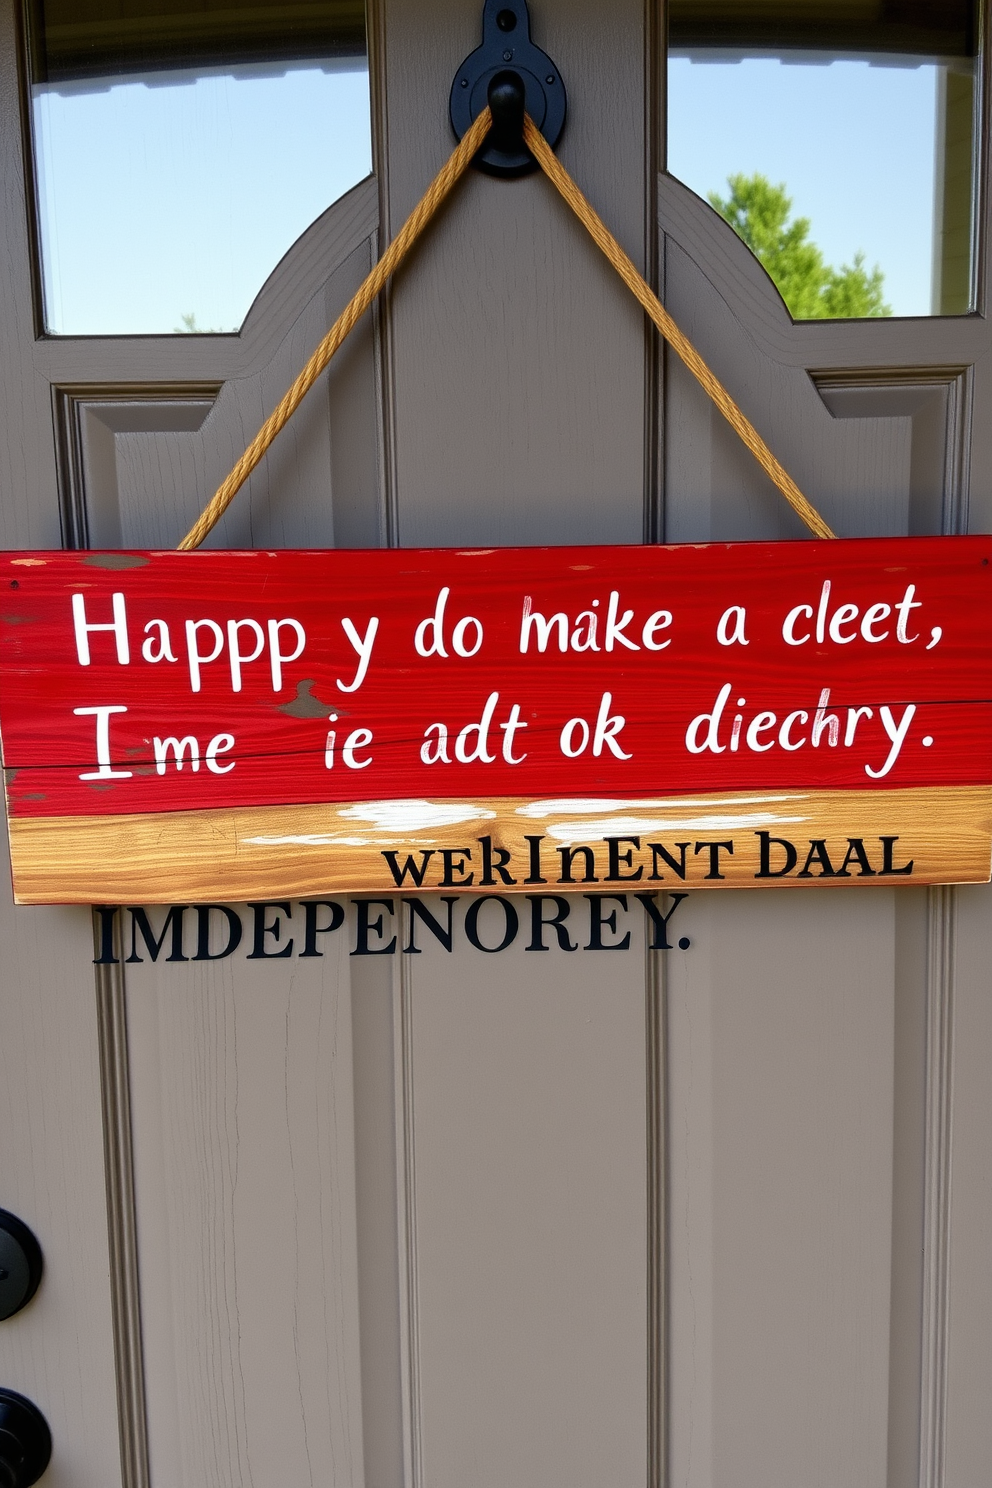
511, 74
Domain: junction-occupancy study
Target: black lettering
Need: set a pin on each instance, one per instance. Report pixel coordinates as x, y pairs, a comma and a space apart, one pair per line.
421, 912
416, 874
534, 848
511, 925
108, 921
817, 854
449, 854
597, 920
615, 858
538, 924
310, 927
659, 921
258, 951
659, 851
173, 921
888, 849
365, 927
791, 856
234, 932
715, 849
494, 858
856, 849
568, 856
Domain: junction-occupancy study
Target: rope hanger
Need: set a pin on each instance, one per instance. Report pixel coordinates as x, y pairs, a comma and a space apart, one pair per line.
439, 189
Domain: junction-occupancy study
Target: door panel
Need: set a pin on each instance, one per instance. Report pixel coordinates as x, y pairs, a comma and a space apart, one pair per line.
527, 1228
517, 359
518, 1219
813, 1172
966, 1446
781, 1034
243, 1122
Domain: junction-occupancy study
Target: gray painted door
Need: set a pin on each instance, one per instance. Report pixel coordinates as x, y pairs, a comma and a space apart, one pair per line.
506, 1221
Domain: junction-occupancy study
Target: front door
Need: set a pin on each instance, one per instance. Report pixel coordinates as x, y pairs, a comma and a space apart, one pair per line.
367, 1212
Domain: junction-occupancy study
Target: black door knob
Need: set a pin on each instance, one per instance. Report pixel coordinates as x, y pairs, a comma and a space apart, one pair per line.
20, 1264
25, 1441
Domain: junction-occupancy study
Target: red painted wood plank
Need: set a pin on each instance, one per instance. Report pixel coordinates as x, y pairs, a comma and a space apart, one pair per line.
889, 646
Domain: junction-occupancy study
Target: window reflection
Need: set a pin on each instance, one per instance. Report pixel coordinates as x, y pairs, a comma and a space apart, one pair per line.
839, 138
181, 147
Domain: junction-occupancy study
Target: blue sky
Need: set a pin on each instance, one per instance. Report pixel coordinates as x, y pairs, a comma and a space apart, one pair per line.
179, 196
853, 143
165, 200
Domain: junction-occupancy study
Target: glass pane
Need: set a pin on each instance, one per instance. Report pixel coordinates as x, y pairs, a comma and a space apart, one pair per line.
839, 138
182, 146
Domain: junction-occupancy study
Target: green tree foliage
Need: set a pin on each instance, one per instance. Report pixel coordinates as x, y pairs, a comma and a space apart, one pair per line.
189, 327
759, 213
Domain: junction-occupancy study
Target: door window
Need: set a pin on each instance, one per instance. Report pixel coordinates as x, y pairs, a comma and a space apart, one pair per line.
181, 147
839, 138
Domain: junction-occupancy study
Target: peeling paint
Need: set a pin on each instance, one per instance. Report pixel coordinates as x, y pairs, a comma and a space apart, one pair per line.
116, 560
305, 705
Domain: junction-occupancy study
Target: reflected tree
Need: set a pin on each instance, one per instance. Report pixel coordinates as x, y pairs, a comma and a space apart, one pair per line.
761, 214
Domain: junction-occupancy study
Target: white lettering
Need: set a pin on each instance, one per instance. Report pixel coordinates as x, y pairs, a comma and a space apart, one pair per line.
357, 739
904, 606
164, 643
615, 629
660, 620
784, 733
102, 715
822, 720
712, 722
532, 619
840, 617
193, 627
481, 729
607, 728
278, 657
586, 641
789, 625
363, 646
853, 717
760, 724
458, 636
437, 752
897, 733
435, 625
513, 723
83, 628
873, 613
234, 628
566, 739
730, 630
821, 613
178, 748
219, 744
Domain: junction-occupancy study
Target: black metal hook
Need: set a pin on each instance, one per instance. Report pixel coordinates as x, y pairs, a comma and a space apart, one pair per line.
507, 100
512, 75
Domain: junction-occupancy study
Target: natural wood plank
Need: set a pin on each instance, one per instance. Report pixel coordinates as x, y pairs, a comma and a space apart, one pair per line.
202, 856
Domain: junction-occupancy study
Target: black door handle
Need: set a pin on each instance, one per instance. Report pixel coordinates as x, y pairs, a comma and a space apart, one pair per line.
25, 1441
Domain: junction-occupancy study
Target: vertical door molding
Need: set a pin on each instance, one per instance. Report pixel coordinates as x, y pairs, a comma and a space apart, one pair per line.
122, 1219
937, 1184
407, 1215
656, 1023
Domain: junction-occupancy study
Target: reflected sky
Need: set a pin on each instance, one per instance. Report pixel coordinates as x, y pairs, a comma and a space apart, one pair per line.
177, 196
853, 143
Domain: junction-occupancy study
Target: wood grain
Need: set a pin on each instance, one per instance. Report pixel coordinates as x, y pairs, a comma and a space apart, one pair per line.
202, 856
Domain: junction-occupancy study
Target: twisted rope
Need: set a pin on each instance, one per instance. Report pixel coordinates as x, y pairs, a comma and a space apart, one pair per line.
441, 186
642, 291
397, 251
